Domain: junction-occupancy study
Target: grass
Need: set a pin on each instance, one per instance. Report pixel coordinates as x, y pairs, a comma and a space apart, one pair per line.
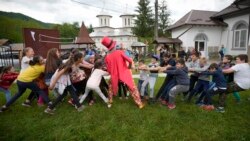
124, 121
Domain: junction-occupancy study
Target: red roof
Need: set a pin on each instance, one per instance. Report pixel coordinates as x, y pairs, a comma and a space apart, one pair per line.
83, 36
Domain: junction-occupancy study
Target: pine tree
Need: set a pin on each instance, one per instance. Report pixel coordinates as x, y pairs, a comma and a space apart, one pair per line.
164, 19
144, 23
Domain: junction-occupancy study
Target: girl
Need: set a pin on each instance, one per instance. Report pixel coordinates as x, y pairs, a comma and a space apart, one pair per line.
26, 80
94, 82
143, 76
28, 55
62, 84
8, 76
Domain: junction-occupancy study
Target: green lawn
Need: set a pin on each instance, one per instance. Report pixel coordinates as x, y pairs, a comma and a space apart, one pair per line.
124, 121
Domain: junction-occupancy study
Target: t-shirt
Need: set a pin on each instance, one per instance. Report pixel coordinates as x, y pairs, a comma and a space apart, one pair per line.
95, 78
143, 75
242, 75
25, 62
31, 73
155, 65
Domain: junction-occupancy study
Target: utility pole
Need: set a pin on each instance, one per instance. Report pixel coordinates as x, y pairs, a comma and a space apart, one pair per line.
156, 23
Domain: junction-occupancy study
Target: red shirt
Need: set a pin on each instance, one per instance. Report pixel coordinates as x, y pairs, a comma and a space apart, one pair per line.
118, 69
7, 79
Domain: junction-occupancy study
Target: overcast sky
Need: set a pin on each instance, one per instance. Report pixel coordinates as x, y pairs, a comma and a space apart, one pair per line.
59, 11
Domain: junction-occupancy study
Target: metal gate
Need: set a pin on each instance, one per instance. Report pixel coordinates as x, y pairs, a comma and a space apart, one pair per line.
6, 56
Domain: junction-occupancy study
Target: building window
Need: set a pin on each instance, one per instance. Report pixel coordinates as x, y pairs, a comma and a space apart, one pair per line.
125, 21
101, 21
104, 21
240, 36
128, 21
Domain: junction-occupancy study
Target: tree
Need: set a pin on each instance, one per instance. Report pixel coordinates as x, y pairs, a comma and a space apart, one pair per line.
164, 19
144, 23
90, 28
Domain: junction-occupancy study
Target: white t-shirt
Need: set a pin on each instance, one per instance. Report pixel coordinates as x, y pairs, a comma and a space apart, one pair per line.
95, 78
25, 62
143, 74
242, 75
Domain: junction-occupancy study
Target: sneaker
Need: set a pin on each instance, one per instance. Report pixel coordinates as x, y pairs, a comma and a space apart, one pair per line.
142, 105
164, 102
220, 109
126, 97
4, 108
91, 102
171, 106
26, 104
208, 107
49, 111
79, 109
120, 98
109, 105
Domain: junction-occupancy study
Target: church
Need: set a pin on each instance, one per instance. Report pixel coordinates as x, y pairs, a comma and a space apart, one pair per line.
121, 35
207, 31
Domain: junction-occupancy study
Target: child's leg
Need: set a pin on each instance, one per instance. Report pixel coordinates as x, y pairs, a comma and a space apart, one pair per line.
58, 99
73, 94
160, 92
7, 93
152, 81
124, 88
175, 90
168, 87
222, 98
144, 84
40, 99
85, 94
99, 92
196, 88
193, 80
119, 89
236, 96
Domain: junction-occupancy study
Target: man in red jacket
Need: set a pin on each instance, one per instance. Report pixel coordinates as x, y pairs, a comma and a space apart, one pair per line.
118, 70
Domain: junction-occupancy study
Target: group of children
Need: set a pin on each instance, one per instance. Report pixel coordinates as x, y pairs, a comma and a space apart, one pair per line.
81, 74
197, 78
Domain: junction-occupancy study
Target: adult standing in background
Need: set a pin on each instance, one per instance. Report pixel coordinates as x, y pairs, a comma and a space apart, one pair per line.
222, 52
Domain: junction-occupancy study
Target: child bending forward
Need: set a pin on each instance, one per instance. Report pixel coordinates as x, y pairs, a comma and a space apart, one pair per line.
94, 82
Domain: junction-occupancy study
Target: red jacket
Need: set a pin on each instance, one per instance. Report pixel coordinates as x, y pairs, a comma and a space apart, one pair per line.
7, 79
118, 69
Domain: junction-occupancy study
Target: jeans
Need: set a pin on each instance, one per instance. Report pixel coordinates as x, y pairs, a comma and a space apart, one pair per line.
214, 91
168, 87
122, 87
166, 81
22, 86
201, 84
7, 93
193, 80
151, 81
72, 91
140, 85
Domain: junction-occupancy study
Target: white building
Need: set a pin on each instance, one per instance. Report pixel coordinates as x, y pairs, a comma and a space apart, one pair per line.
207, 31
121, 35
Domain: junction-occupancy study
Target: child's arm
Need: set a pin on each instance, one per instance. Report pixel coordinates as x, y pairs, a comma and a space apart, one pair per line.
58, 75
230, 70
87, 65
9, 77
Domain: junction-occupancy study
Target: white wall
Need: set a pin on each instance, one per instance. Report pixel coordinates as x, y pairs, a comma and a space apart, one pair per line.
228, 34
213, 34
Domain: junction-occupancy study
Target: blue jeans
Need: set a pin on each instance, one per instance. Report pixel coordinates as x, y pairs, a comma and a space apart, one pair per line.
200, 85
22, 86
140, 85
7, 93
167, 88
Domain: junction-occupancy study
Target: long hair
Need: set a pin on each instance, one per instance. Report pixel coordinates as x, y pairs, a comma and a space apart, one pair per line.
52, 61
71, 61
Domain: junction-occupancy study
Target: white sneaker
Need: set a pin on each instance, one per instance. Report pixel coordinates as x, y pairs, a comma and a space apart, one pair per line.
109, 105
49, 111
79, 109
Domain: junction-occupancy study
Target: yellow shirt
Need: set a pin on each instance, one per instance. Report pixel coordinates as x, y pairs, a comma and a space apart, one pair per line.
31, 73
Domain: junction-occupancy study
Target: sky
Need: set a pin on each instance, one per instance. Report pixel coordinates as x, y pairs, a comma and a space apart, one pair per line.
60, 11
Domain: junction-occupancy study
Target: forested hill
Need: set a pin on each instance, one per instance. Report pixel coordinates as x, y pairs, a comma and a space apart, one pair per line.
11, 25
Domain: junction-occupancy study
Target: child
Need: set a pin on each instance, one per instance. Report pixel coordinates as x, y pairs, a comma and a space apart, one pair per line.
28, 55
182, 82
153, 67
62, 84
169, 82
143, 76
241, 74
94, 82
203, 80
226, 64
122, 88
219, 88
8, 76
26, 80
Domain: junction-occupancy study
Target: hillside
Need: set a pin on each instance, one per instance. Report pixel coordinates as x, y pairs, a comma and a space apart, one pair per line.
12, 24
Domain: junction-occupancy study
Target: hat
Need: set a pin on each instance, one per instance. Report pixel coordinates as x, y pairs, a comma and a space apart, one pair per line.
156, 57
108, 43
